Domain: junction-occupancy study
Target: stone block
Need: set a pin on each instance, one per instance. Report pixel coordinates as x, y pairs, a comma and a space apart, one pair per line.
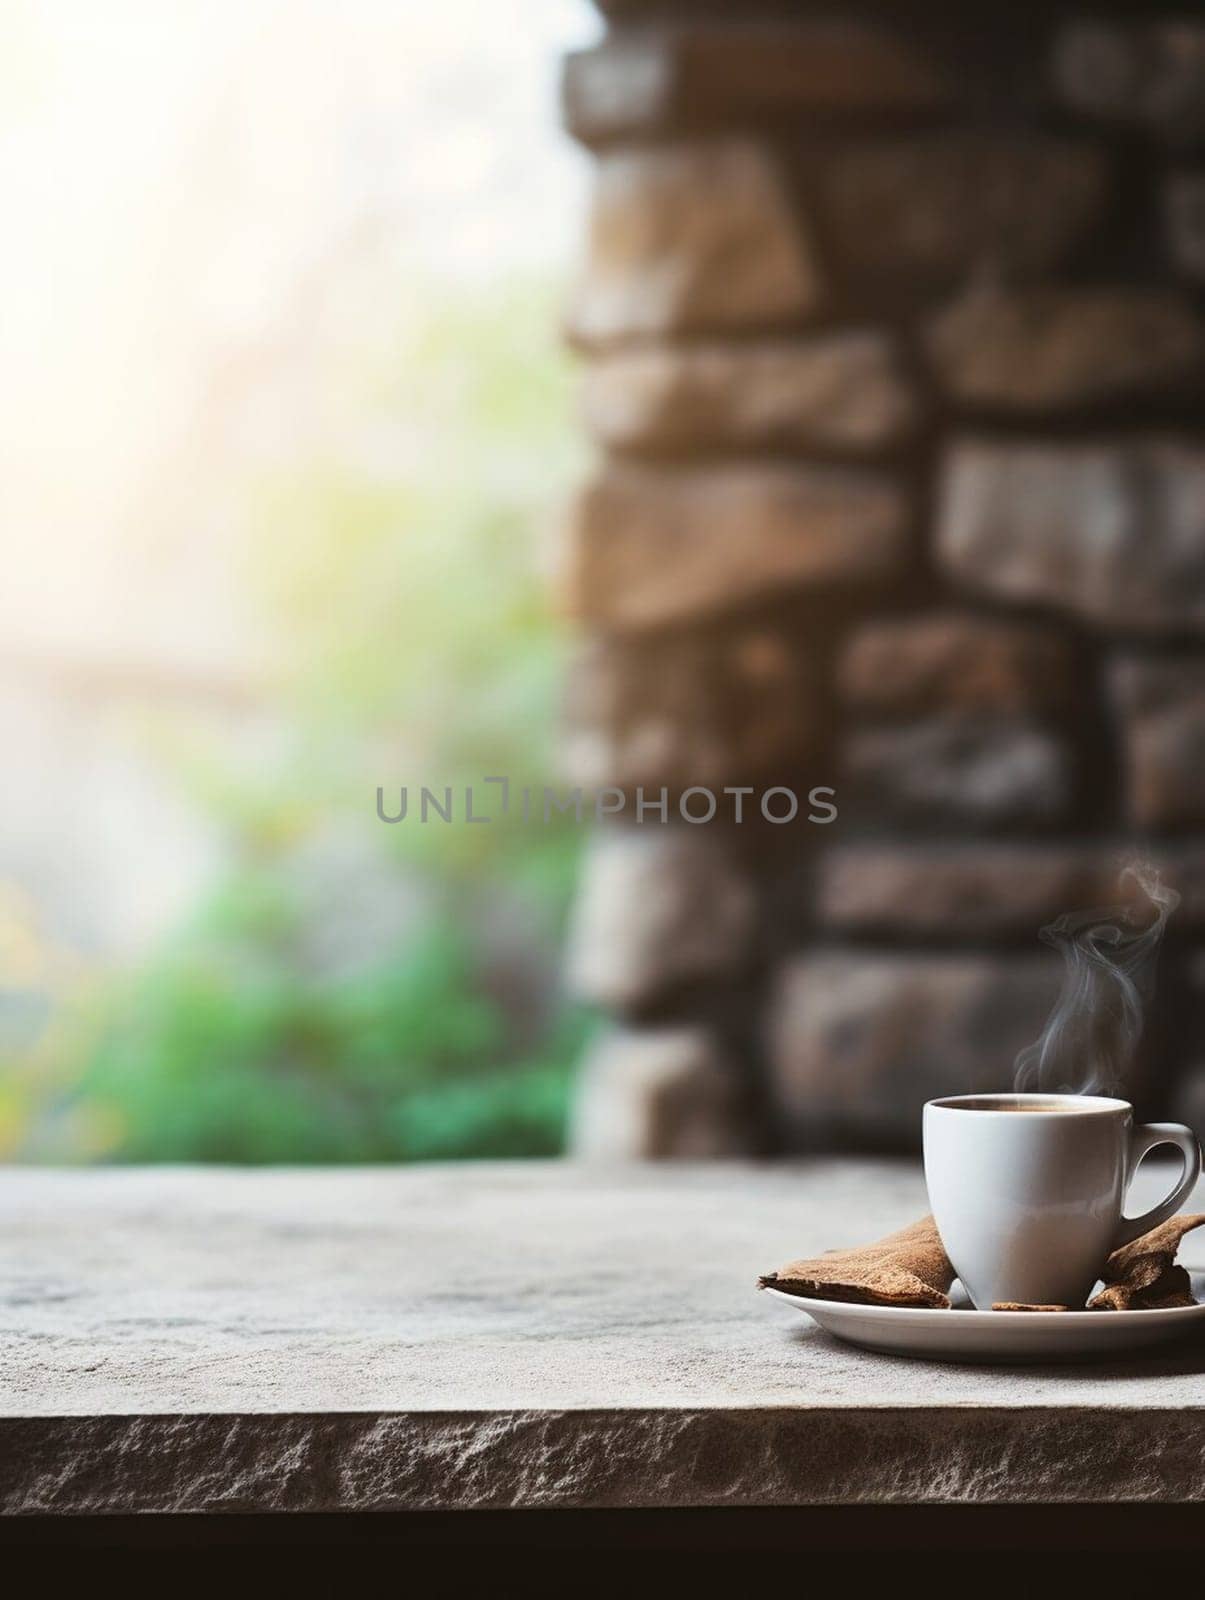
939, 207
952, 661
652, 79
682, 709
656, 1094
1148, 75
1161, 707
1047, 349
988, 773
687, 238
658, 909
650, 546
515, 1338
842, 392
860, 1040
982, 890
1113, 531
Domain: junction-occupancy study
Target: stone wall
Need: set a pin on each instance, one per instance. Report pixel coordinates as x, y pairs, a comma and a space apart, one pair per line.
893, 349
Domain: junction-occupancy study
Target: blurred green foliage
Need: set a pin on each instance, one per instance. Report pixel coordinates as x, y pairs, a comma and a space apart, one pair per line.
222, 1053
409, 606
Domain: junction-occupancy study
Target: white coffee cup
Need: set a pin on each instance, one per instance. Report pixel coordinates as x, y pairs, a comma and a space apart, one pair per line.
1027, 1189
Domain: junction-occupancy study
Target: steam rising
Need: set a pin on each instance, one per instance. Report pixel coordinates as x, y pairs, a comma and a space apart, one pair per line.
1088, 1043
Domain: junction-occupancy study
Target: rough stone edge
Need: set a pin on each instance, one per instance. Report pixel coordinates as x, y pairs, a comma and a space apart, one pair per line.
772, 1456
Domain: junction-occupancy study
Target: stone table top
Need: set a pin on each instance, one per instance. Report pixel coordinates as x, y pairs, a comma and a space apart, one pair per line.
535, 1335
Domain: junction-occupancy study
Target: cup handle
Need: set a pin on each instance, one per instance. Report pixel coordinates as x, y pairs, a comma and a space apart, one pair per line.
1143, 1138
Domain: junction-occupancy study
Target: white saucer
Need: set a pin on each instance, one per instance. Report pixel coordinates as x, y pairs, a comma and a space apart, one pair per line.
963, 1334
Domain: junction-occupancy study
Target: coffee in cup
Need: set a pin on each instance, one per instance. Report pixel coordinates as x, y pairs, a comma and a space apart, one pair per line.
1027, 1190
